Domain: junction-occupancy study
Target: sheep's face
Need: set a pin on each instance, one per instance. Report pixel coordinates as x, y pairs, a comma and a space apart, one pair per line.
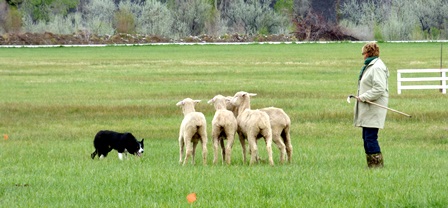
240, 97
236, 101
219, 102
187, 105
229, 104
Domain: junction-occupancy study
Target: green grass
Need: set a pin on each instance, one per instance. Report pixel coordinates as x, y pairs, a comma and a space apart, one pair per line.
54, 100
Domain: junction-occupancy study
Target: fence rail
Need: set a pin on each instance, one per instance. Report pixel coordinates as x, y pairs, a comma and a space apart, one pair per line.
442, 85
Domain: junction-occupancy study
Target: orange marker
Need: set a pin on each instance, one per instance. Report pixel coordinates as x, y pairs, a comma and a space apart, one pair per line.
5, 136
191, 197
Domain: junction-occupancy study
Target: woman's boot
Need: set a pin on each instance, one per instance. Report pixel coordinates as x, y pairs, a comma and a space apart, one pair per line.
375, 160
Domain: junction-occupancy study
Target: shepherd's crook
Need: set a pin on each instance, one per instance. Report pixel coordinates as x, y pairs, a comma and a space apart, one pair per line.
381, 106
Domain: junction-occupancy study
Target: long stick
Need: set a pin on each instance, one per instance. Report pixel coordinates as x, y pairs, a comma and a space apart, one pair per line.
393, 110
381, 106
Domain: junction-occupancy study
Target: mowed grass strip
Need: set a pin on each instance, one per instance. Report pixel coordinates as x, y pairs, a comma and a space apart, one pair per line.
54, 100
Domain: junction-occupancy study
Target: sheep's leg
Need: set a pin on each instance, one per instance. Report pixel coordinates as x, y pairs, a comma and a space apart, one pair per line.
203, 136
195, 144
287, 140
267, 134
223, 149
281, 146
228, 150
258, 156
204, 151
181, 149
189, 151
215, 148
243, 146
253, 149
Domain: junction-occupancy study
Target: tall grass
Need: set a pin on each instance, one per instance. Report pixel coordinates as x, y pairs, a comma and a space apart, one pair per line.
54, 100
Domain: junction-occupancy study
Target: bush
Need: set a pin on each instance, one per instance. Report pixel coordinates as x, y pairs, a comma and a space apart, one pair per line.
253, 17
99, 16
12, 21
314, 27
124, 22
190, 17
155, 19
57, 24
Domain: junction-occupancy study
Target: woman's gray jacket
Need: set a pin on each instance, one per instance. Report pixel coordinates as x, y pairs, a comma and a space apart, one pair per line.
373, 87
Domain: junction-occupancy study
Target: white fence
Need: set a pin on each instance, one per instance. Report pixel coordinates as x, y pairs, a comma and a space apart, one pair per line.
442, 79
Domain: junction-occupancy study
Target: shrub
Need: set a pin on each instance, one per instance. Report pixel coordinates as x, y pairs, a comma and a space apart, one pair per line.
57, 24
124, 21
314, 27
155, 18
253, 17
99, 15
190, 17
12, 21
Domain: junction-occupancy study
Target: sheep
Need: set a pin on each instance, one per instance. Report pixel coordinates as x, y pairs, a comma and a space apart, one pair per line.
280, 126
252, 124
224, 126
192, 130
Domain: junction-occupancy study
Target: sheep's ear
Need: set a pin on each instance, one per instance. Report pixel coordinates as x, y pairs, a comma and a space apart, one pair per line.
211, 101
252, 94
196, 101
180, 103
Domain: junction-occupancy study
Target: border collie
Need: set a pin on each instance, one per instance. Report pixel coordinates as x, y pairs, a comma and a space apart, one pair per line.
106, 140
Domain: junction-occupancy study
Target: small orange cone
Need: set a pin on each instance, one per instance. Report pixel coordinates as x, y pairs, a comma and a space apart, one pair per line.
5, 136
191, 197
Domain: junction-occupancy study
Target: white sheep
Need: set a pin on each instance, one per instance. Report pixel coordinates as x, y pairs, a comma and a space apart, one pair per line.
280, 125
192, 130
251, 125
224, 126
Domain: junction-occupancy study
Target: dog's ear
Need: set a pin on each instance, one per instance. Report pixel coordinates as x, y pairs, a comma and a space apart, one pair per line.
142, 140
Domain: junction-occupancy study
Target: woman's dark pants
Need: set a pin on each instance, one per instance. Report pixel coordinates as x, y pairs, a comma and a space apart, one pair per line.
370, 137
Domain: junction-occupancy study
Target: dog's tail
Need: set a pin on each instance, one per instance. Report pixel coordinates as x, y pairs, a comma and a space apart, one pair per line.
94, 154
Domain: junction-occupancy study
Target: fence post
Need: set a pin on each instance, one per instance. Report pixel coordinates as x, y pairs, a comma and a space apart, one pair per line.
399, 82
444, 82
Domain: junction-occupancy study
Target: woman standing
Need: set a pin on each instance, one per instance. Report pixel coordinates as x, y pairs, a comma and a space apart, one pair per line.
372, 86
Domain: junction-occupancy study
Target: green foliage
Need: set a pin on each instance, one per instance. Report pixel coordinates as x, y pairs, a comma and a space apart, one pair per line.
377, 33
284, 6
12, 22
54, 100
252, 17
99, 16
42, 10
57, 24
190, 17
124, 21
398, 19
155, 19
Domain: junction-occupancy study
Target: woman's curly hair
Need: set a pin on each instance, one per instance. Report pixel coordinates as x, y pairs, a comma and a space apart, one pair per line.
371, 49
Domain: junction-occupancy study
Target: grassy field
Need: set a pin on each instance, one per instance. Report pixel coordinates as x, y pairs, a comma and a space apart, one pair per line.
54, 100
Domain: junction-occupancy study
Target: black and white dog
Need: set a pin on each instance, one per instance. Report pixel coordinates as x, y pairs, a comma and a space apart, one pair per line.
106, 140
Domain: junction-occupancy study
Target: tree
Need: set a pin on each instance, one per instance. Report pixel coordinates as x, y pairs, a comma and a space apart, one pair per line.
254, 17
155, 19
301, 7
397, 20
125, 17
42, 9
99, 16
190, 17
432, 16
10, 18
